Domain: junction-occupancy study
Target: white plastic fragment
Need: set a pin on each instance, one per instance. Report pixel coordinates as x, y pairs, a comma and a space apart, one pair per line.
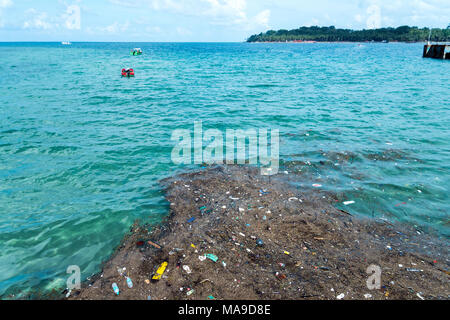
348, 202
341, 296
187, 269
190, 292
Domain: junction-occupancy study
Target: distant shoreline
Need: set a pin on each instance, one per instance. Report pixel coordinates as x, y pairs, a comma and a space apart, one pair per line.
309, 42
332, 34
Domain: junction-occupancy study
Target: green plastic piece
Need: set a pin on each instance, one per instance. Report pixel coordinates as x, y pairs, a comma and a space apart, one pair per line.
212, 257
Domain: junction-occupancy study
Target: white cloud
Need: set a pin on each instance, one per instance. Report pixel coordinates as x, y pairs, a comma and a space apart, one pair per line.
379, 13
218, 12
37, 20
374, 17
72, 17
124, 3
314, 22
233, 11
4, 4
183, 31
115, 27
169, 4
262, 19
155, 4
153, 29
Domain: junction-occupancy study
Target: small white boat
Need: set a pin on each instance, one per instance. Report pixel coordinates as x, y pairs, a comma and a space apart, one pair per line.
66, 43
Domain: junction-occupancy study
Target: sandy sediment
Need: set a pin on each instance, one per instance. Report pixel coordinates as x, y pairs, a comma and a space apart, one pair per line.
272, 241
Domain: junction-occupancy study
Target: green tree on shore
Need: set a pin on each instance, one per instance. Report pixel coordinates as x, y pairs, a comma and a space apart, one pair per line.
315, 33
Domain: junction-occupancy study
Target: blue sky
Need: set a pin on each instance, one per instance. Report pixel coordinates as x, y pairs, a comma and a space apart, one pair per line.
202, 20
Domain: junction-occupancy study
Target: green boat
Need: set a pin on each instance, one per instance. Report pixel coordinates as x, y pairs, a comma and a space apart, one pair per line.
136, 52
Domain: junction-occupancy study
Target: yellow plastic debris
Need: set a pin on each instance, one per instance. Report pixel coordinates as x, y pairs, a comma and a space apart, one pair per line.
193, 245
160, 271
287, 252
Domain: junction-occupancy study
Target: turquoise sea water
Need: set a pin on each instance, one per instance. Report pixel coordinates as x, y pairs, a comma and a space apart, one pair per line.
82, 149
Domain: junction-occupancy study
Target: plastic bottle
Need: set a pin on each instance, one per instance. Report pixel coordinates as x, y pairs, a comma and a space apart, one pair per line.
129, 283
115, 288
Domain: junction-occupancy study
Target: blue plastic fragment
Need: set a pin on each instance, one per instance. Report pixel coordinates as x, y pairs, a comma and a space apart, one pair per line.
212, 257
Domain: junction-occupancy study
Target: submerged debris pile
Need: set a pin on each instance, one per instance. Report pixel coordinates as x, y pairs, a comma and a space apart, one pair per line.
233, 234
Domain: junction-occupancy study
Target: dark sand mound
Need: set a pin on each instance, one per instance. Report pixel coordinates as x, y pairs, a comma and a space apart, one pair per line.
272, 241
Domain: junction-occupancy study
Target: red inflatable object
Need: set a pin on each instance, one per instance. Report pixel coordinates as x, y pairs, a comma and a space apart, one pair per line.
127, 73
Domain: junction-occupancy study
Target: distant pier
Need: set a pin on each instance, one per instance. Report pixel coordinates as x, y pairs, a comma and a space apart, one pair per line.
437, 51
